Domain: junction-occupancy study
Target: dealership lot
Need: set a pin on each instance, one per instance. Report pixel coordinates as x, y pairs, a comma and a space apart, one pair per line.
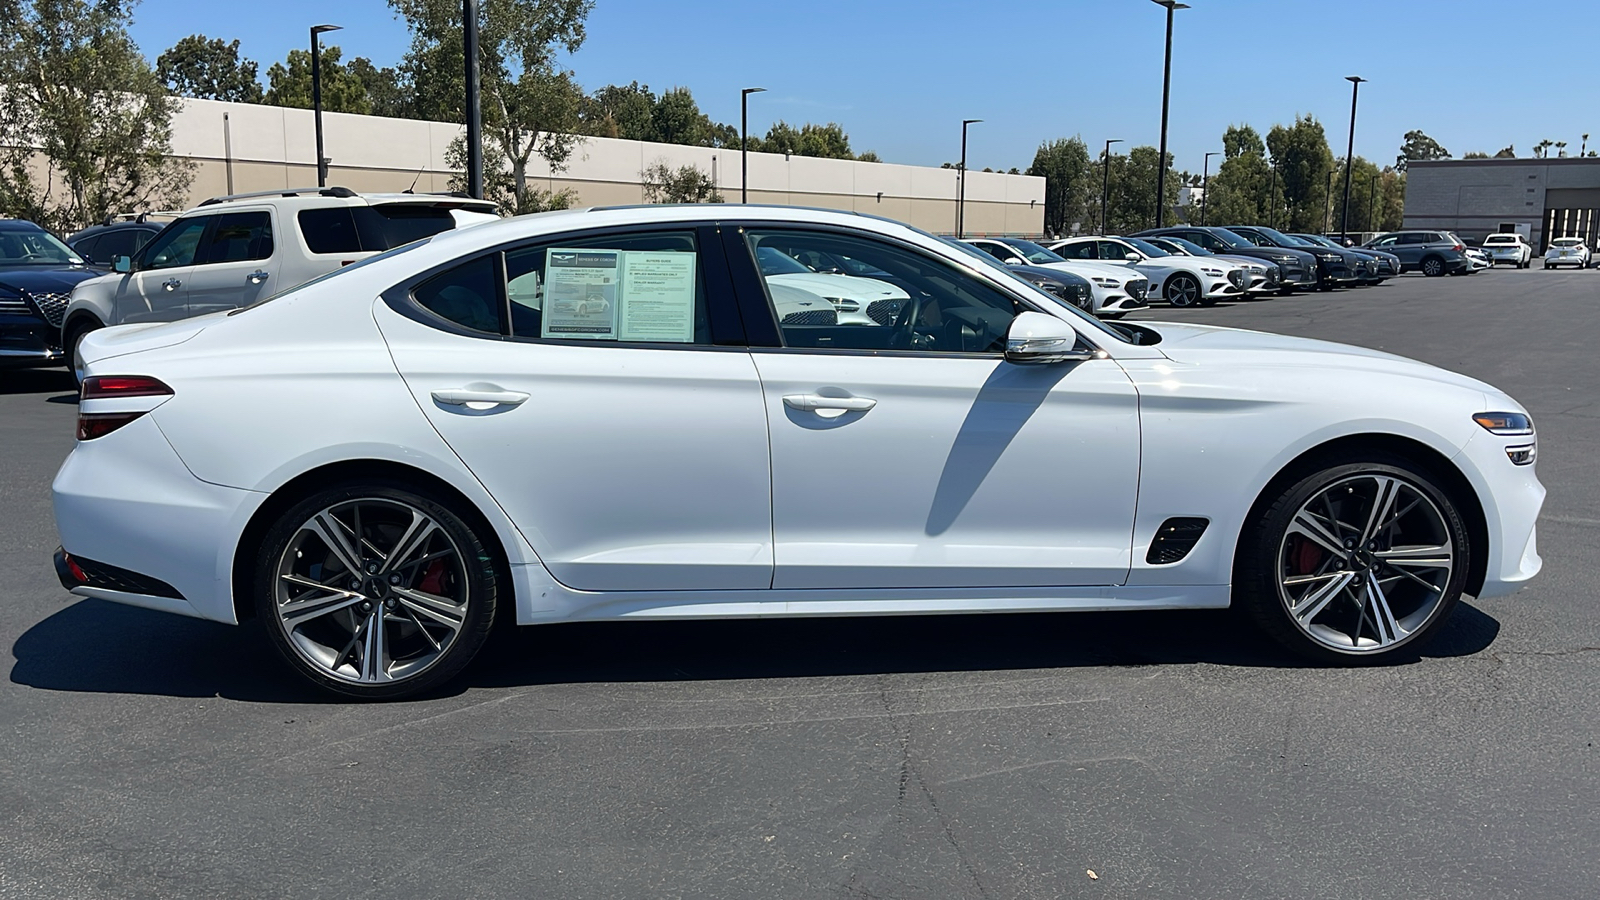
1175, 755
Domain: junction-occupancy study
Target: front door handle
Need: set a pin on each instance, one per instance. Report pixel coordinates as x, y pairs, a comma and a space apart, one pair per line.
815, 402
171, 284
257, 277
478, 399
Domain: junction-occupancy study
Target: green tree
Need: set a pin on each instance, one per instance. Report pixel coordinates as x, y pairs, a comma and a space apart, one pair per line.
685, 184
1509, 151
1419, 146
1070, 187
529, 104
209, 68
828, 141
619, 111
498, 184
1304, 163
1240, 140
387, 92
85, 122
676, 119
1474, 154
289, 84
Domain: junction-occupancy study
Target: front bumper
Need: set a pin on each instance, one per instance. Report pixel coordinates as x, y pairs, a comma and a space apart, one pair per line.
27, 342
1512, 498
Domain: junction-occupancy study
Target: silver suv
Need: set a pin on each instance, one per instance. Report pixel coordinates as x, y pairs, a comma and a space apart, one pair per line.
231, 251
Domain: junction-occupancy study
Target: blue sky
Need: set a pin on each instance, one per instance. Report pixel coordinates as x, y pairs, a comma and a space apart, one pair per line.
900, 76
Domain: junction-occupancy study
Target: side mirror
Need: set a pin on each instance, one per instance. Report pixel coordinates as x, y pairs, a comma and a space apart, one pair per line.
1015, 261
122, 264
1133, 257
1038, 338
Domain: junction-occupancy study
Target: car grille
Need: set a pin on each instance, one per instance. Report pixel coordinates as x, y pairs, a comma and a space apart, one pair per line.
884, 312
812, 317
1138, 287
52, 306
1274, 274
14, 306
1238, 278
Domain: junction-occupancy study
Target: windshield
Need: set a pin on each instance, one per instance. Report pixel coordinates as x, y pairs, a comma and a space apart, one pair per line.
1317, 240
1567, 242
1231, 239
1149, 249
24, 247
776, 262
1189, 247
995, 265
1278, 237
1033, 252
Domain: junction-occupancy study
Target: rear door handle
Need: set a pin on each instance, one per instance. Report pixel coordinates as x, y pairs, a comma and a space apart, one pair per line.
257, 277
476, 399
817, 401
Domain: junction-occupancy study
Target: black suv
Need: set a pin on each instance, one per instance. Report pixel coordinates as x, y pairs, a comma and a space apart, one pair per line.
1299, 266
1429, 252
102, 244
37, 274
1335, 267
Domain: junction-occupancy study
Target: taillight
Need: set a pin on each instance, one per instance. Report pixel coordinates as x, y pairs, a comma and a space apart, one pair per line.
92, 425
102, 387
1459, 248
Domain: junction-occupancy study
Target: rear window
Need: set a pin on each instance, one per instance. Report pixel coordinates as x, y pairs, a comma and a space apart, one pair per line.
1500, 239
358, 229
1566, 242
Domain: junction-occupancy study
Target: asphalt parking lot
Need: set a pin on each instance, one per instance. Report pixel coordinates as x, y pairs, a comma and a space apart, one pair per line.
1175, 755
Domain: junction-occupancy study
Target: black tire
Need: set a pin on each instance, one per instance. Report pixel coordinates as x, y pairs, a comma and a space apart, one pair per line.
1433, 267
70, 343
1264, 544
1113, 316
1182, 291
472, 577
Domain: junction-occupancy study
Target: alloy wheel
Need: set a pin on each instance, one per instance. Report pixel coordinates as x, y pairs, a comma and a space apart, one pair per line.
1183, 291
371, 591
1365, 563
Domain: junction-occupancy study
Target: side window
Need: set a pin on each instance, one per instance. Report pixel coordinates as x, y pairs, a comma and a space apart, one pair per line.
1077, 250
113, 244
1386, 241
87, 248
1113, 251
1410, 237
915, 302
644, 287
175, 246
239, 237
468, 295
329, 230
996, 250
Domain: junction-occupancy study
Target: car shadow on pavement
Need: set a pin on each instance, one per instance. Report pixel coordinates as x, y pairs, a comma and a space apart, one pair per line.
38, 381
100, 647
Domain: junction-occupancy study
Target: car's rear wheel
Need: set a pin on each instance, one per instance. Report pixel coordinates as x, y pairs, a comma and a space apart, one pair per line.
1183, 291
375, 590
1433, 267
1354, 562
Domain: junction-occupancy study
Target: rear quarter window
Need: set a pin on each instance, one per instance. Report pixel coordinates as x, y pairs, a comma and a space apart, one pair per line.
369, 229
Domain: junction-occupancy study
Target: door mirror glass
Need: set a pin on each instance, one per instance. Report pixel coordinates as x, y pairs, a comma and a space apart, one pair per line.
1038, 338
122, 264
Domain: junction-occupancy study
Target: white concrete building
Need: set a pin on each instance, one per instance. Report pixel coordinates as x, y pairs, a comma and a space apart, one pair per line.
239, 147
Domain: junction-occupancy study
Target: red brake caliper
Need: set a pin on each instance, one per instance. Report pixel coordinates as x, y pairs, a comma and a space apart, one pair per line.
1305, 557
433, 579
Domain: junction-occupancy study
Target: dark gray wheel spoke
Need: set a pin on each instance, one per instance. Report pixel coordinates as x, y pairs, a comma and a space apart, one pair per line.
371, 591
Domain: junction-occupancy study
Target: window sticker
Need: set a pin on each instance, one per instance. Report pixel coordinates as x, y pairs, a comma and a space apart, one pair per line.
609, 295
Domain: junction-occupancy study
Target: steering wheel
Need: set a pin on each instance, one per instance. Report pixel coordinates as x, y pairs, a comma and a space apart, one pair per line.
905, 324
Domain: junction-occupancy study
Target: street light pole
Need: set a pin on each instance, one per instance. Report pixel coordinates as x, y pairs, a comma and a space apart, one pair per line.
961, 191
316, 97
1166, 91
1105, 188
744, 142
469, 52
1349, 154
1272, 210
1205, 186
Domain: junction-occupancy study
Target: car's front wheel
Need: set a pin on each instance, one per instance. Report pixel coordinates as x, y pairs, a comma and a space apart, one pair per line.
375, 590
1183, 291
1354, 562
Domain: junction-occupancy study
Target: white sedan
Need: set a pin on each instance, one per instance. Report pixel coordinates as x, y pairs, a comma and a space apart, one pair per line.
1117, 290
1566, 251
1180, 280
380, 465
1508, 247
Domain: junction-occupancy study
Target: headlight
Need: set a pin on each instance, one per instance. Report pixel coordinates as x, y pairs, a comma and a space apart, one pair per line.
1104, 281
1505, 423
1214, 273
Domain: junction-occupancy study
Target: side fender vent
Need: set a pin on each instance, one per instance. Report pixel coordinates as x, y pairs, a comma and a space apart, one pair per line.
1174, 539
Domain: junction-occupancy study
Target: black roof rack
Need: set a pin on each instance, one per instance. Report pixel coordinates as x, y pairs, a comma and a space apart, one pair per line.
288, 192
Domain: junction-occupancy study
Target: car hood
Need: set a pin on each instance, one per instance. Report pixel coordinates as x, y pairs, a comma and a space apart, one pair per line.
121, 340
843, 287
47, 279
1271, 253
1087, 268
1185, 343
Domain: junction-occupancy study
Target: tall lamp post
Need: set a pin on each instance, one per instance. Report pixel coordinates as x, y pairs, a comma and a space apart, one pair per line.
1105, 186
1205, 185
744, 142
1166, 91
469, 55
1272, 209
961, 190
1349, 154
316, 98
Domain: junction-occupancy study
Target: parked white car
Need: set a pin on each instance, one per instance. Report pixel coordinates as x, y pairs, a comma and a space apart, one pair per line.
1566, 251
998, 451
858, 300
1480, 259
232, 251
1180, 280
1266, 277
1117, 289
1508, 248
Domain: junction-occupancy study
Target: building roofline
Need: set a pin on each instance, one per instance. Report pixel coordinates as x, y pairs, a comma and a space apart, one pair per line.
1518, 161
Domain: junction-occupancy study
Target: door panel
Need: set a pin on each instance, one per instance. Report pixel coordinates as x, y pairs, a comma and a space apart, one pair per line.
962, 473
237, 265
158, 295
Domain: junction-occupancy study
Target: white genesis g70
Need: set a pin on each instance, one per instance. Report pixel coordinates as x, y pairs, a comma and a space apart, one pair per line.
382, 464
